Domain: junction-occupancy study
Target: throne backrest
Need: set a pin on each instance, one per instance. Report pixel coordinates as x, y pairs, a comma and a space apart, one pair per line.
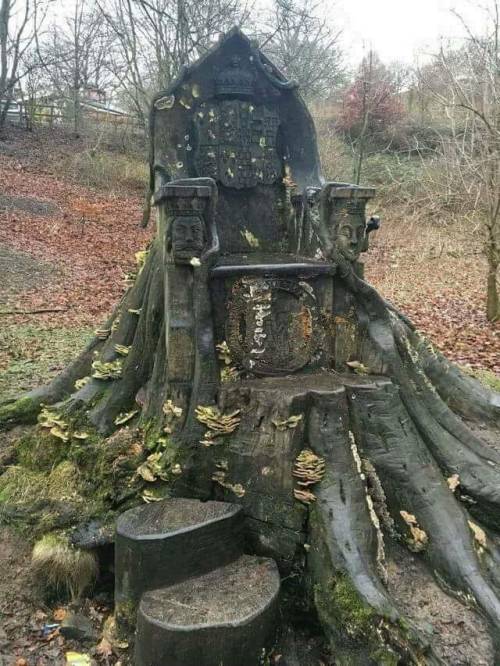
234, 118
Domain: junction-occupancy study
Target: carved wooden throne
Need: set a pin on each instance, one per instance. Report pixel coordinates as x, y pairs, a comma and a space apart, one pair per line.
235, 148
255, 322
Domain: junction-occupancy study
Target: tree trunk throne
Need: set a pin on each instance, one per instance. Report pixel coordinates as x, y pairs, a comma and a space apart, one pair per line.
281, 390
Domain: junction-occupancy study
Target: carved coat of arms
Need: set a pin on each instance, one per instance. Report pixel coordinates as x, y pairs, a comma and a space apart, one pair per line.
271, 328
236, 143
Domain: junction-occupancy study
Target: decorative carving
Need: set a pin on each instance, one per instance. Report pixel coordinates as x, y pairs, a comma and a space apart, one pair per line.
187, 238
235, 81
351, 227
342, 221
237, 143
271, 325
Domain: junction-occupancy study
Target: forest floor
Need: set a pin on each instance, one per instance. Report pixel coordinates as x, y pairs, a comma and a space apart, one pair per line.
65, 246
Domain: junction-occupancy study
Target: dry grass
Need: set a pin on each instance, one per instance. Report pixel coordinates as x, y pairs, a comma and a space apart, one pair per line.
60, 568
109, 171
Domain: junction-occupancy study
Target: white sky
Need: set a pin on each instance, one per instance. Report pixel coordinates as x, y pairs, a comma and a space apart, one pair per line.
398, 29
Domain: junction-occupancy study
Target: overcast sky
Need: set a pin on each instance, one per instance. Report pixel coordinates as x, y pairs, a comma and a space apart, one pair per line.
397, 29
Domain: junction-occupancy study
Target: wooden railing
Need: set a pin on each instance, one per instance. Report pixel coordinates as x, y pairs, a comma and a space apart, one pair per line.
51, 115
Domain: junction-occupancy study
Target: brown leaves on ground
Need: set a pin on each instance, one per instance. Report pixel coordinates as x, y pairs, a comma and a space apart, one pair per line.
436, 274
91, 241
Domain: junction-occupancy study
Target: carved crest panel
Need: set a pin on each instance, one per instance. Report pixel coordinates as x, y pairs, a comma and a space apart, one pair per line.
272, 325
237, 143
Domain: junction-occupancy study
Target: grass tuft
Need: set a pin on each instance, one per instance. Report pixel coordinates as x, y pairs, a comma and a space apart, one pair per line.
60, 569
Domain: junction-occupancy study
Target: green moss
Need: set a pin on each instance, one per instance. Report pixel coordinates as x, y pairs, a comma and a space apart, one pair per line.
125, 617
40, 450
19, 485
489, 379
343, 606
23, 410
60, 569
385, 657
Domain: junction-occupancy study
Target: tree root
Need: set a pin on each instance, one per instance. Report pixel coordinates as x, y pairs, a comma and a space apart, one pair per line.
346, 559
412, 483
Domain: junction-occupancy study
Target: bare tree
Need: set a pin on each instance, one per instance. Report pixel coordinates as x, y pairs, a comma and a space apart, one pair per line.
19, 22
303, 43
468, 87
155, 38
77, 55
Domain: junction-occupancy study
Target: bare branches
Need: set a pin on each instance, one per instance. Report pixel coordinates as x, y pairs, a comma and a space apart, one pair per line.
465, 80
155, 38
20, 21
305, 46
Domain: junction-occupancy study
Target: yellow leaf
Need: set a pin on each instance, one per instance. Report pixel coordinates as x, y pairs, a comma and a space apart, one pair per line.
479, 533
145, 472
358, 367
77, 659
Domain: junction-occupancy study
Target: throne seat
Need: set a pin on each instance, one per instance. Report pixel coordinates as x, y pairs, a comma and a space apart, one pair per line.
270, 265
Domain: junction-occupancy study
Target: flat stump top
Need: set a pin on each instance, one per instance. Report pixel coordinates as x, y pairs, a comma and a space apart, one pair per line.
172, 515
232, 595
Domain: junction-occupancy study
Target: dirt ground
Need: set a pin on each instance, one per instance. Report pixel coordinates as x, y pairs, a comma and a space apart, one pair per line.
64, 250
26, 637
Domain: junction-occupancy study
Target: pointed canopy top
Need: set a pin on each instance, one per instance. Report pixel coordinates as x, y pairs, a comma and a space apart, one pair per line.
233, 68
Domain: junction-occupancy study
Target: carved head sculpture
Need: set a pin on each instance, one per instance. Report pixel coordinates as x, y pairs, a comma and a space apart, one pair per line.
351, 230
187, 235
344, 222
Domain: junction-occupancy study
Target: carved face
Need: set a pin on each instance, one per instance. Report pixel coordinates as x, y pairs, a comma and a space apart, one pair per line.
351, 237
188, 238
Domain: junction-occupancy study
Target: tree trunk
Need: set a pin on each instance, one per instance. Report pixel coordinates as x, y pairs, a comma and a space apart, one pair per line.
492, 298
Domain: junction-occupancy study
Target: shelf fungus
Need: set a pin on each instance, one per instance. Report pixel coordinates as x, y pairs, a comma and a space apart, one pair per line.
172, 413
290, 422
218, 424
309, 469
102, 333
80, 383
125, 417
122, 350
417, 540
220, 477
106, 371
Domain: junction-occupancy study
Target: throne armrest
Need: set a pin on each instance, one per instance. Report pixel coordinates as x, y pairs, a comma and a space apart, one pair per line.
201, 188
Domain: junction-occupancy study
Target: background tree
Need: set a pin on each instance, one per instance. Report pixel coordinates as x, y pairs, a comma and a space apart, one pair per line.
306, 47
19, 23
76, 56
467, 85
370, 105
154, 38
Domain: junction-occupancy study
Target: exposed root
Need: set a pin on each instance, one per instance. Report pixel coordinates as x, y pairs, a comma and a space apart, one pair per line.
413, 483
342, 524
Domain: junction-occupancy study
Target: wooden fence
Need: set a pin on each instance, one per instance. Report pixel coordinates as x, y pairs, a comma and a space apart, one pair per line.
51, 115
